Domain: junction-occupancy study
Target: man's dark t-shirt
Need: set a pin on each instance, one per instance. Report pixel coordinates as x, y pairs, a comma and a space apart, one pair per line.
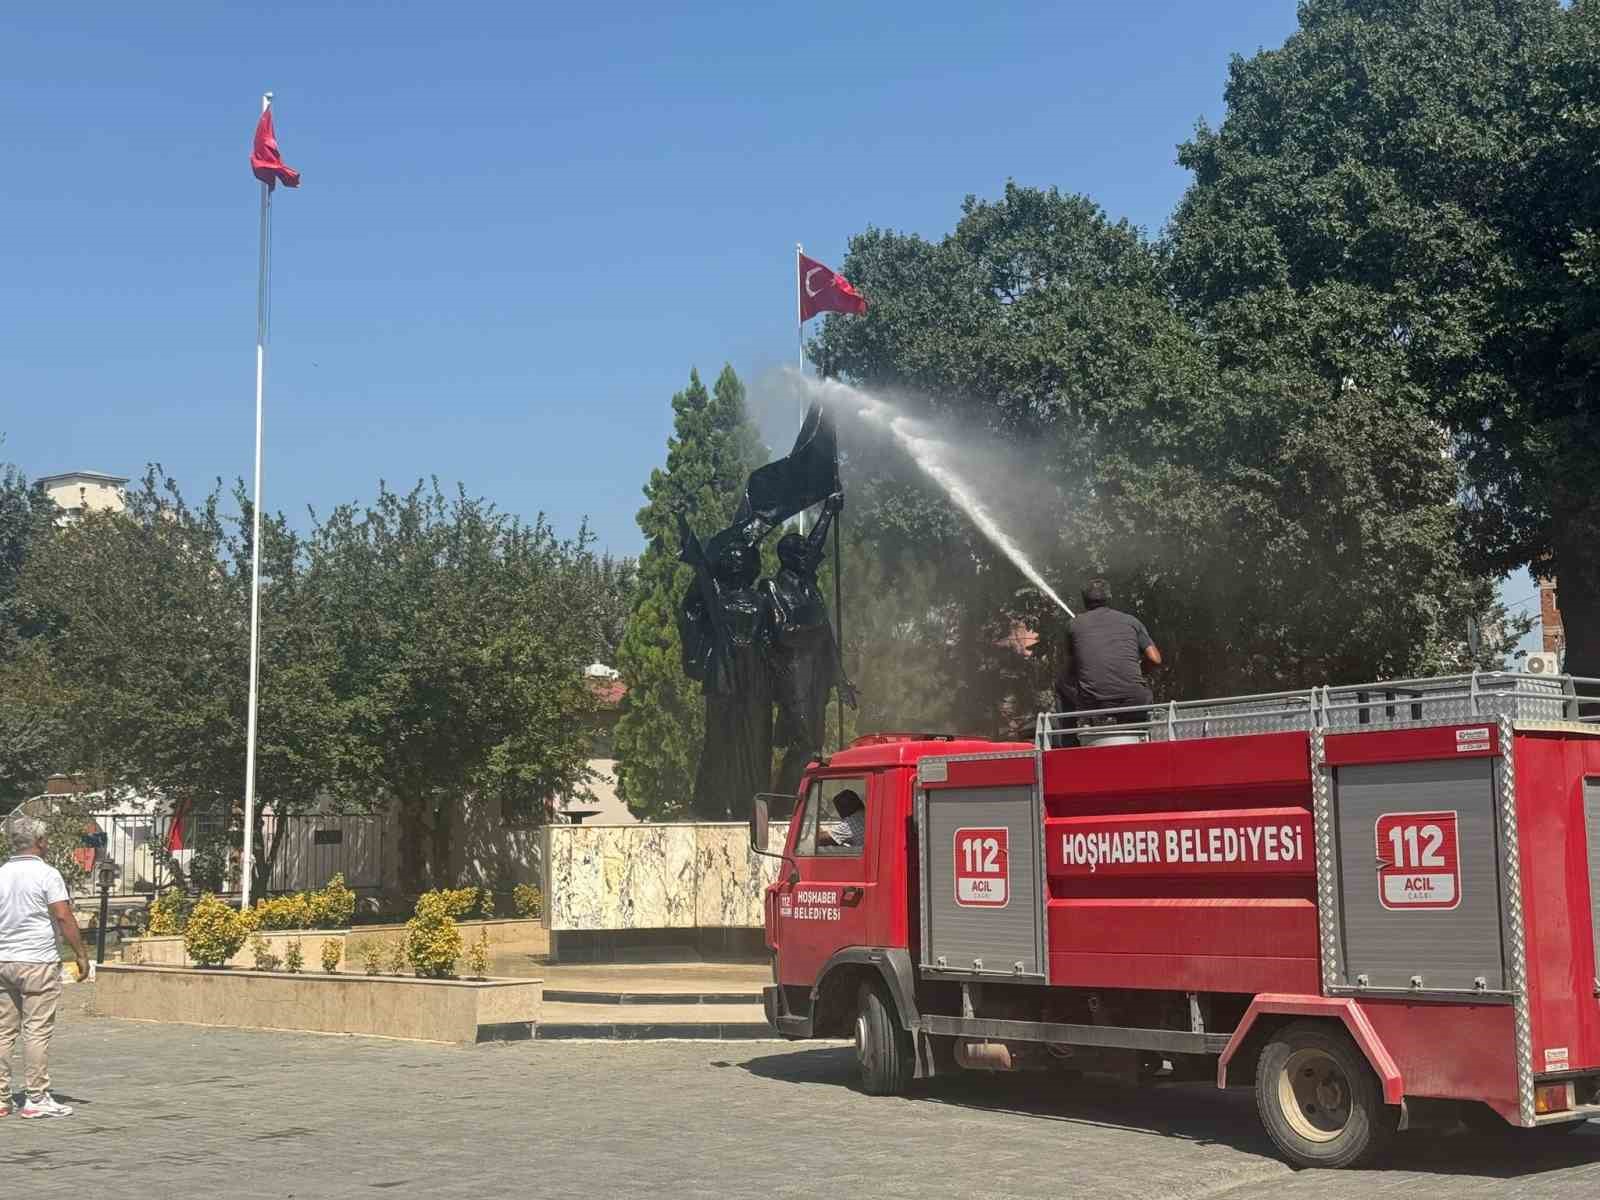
1107, 648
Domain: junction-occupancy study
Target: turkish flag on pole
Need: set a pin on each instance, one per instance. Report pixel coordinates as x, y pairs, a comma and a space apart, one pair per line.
265, 161
822, 289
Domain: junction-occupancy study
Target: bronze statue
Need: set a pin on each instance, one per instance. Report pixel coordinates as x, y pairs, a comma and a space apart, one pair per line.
802, 651
746, 643
725, 630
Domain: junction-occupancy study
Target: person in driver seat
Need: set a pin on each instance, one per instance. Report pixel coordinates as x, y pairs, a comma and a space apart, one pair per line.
850, 830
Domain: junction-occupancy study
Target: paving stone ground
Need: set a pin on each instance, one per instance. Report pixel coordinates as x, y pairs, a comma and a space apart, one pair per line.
185, 1111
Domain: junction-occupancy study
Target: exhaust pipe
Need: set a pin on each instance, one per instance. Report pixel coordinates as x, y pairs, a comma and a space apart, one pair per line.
984, 1056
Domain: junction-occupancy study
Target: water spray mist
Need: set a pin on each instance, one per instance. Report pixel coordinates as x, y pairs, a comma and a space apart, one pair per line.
935, 457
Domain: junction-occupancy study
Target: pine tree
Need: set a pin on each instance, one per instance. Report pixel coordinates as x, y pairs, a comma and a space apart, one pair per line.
712, 451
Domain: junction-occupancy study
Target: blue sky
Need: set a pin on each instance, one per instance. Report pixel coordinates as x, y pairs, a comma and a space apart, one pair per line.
520, 225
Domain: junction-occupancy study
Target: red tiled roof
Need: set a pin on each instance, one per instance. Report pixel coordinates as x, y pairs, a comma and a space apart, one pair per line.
608, 693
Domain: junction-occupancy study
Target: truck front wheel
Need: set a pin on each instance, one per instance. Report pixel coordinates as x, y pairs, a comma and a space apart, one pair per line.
884, 1051
1319, 1099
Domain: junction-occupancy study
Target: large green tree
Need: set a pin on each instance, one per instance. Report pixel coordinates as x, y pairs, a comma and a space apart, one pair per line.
144, 615
712, 450
1404, 196
459, 637
1273, 529
29, 700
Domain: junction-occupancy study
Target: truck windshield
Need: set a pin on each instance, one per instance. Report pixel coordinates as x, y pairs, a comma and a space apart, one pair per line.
834, 823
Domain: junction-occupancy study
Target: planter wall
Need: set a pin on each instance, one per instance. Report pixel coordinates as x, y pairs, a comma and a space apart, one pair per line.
428, 1010
501, 931
169, 951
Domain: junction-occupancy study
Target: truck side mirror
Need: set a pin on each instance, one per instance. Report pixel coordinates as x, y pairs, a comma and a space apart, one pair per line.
758, 825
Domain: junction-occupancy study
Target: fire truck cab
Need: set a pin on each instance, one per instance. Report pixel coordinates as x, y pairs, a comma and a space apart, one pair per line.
1377, 905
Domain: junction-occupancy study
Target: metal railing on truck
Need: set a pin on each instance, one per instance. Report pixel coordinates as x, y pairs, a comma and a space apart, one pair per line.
1482, 695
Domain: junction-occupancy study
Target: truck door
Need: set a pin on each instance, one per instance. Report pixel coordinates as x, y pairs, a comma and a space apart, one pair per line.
835, 845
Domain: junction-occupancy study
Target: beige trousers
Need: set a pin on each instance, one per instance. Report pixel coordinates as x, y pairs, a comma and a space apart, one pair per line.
28, 996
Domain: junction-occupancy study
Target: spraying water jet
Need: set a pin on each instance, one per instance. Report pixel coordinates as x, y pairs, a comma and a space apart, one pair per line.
935, 457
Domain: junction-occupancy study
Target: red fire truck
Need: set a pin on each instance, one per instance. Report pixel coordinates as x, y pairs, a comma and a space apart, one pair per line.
1380, 905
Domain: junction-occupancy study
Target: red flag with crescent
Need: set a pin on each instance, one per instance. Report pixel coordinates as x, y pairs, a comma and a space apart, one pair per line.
822, 289
265, 162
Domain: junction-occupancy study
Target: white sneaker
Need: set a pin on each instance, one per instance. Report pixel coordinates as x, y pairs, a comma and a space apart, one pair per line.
44, 1106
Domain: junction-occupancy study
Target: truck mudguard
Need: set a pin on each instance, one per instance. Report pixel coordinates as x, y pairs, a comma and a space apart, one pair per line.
1347, 1011
892, 964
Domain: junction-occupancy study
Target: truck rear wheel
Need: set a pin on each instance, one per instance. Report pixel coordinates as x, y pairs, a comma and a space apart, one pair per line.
1319, 1099
884, 1051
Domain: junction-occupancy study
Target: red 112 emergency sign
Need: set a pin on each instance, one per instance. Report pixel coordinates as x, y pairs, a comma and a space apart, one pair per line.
983, 868
1419, 860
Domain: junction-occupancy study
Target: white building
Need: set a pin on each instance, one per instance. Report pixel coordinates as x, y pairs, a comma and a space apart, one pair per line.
78, 492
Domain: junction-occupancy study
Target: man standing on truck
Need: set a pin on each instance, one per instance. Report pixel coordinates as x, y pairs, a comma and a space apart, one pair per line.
1109, 649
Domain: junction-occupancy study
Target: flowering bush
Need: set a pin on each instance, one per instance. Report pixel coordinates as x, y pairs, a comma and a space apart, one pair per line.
478, 955
284, 912
463, 902
266, 960
214, 932
433, 943
168, 912
332, 952
397, 957
332, 906
529, 900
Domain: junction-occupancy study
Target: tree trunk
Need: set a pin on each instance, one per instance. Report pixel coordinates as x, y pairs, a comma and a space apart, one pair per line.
413, 839
1576, 541
260, 863
441, 844
267, 856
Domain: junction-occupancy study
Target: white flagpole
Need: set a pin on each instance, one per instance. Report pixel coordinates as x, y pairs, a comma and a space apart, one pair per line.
799, 320
255, 542
800, 337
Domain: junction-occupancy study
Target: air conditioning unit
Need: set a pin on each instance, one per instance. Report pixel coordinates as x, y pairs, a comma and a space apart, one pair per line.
1542, 663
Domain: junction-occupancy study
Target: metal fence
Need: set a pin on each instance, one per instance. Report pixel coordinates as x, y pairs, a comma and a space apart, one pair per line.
311, 849
1482, 695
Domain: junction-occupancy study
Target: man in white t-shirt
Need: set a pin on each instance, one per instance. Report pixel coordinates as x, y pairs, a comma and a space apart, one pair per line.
34, 905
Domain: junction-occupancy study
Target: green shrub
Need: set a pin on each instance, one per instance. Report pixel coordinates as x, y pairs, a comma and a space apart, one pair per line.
433, 943
266, 960
294, 959
214, 932
168, 912
478, 955
332, 906
465, 903
529, 900
332, 952
284, 912
372, 957
397, 956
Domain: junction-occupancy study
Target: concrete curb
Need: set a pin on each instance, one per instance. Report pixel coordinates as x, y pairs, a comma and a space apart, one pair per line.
702, 1031
557, 996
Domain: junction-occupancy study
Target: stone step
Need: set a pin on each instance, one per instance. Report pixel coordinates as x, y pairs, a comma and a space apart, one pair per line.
639, 1022
561, 996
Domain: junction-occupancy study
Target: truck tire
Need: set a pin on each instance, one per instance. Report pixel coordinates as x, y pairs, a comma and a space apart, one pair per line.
1319, 1099
884, 1051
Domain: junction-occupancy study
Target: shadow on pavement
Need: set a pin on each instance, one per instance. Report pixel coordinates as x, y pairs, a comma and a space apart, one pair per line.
1194, 1112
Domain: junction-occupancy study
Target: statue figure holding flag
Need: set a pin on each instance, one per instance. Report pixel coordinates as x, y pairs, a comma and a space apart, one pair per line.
803, 653
723, 627
749, 644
